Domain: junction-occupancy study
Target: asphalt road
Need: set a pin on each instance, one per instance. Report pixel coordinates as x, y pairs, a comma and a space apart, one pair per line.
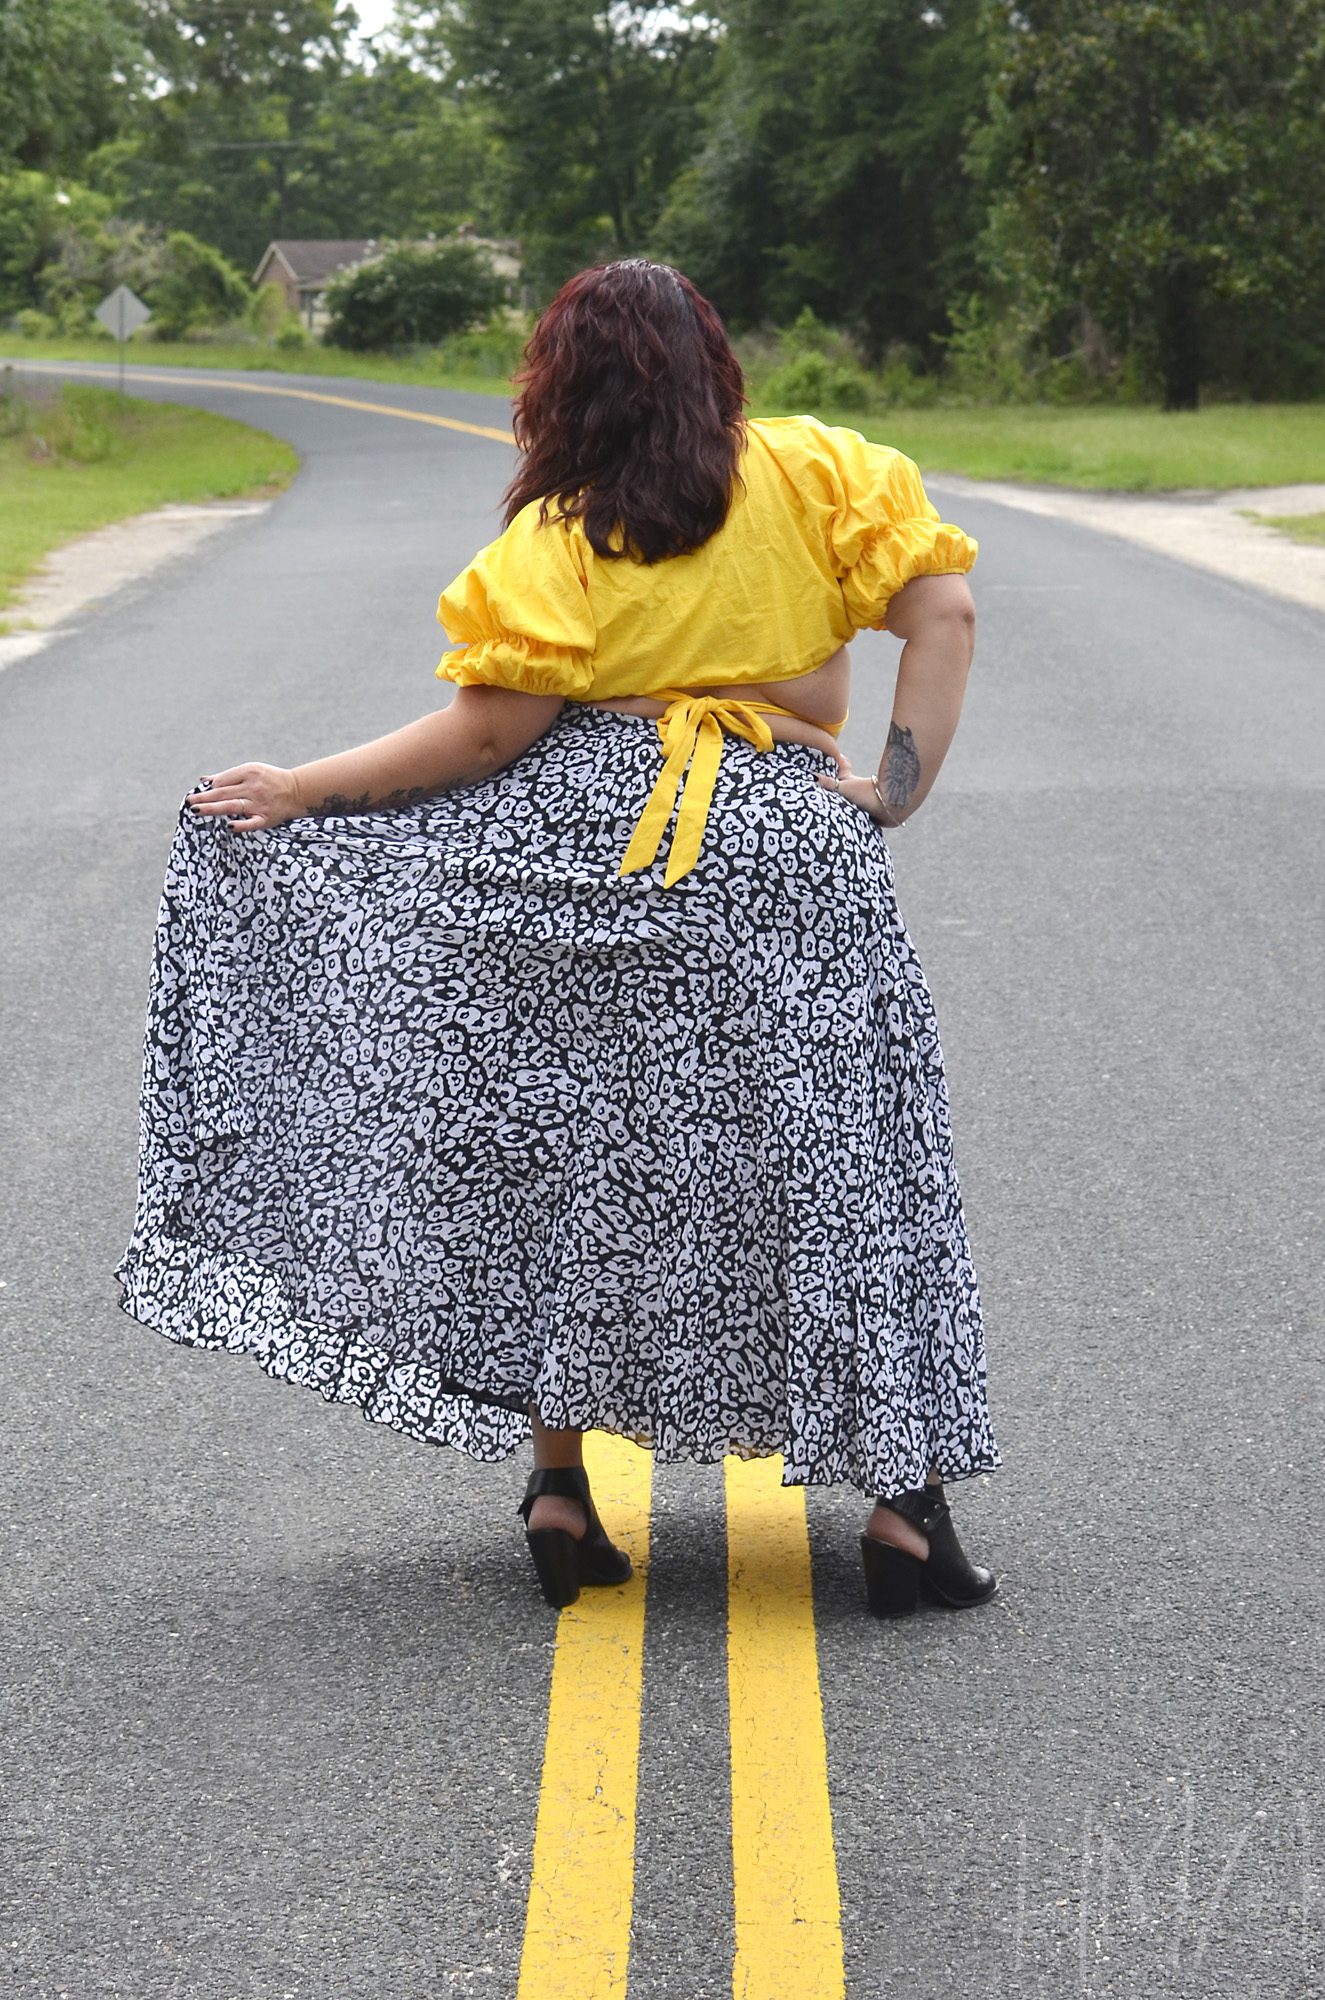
276, 1681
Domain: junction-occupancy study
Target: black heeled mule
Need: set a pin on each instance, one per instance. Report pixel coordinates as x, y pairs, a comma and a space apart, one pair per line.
564, 1561
894, 1578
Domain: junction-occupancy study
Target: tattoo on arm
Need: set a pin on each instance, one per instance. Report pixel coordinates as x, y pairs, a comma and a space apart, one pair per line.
336, 804
901, 767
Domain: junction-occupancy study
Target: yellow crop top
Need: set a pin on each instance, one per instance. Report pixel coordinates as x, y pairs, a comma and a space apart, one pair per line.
823, 530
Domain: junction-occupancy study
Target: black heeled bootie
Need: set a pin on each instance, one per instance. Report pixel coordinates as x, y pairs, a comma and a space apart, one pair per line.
565, 1561
894, 1577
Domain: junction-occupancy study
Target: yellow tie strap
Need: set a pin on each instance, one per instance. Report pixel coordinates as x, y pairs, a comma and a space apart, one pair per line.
691, 727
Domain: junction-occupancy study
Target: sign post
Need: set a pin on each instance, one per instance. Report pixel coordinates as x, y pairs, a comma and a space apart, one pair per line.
122, 312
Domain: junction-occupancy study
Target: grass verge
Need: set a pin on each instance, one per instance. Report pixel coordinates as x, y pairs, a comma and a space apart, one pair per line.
1113, 450
1108, 448
1308, 528
79, 458
419, 371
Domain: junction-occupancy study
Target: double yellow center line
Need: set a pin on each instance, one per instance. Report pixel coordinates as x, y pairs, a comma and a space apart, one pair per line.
784, 1871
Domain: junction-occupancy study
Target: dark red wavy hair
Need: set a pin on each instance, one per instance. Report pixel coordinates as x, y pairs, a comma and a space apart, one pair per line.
629, 412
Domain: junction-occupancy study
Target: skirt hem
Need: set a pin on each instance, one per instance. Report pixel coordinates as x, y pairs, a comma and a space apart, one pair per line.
430, 1407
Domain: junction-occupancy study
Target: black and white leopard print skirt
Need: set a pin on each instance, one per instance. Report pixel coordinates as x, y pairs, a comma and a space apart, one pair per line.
443, 1118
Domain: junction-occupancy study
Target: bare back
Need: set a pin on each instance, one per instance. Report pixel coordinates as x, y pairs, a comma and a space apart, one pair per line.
818, 701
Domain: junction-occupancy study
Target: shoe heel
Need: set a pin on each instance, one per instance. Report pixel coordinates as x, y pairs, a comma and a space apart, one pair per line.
892, 1578
557, 1562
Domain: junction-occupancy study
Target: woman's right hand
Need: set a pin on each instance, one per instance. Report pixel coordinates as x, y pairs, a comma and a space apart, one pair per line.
252, 797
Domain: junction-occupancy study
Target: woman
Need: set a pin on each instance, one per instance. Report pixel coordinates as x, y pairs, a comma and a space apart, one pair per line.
475, 1099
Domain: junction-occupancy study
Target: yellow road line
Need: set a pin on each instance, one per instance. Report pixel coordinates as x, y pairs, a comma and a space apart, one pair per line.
191, 381
577, 1927
788, 1914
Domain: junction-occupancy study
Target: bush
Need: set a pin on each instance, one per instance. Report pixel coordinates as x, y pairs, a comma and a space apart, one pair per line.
195, 287
813, 368
812, 381
86, 252
15, 398
903, 382
990, 355
34, 325
496, 349
267, 311
412, 297
93, 253
1016, 352
71, 426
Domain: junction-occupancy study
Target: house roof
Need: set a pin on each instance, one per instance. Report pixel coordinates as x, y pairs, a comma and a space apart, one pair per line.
312, 263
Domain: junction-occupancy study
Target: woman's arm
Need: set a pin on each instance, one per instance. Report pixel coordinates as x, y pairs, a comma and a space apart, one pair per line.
936, 618
482, 729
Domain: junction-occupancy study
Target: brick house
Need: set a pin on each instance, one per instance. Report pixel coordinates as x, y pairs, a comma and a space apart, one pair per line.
305, 269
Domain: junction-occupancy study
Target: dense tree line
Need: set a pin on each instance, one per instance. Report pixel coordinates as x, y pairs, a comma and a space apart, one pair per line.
1161, 167
1126, 192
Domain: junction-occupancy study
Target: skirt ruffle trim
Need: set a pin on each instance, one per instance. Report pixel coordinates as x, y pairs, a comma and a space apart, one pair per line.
222, 1304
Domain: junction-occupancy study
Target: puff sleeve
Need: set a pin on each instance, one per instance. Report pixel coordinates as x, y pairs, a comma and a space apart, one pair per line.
881, 528
519, 615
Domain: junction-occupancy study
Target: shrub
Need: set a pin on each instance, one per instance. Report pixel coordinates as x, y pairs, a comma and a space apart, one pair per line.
814, 368
267, 310
902, 382
812, 381
14, 402
196, 287
34, 325
412, 297
990, 355
77, 431
186, 284
496, 349
94, 252
70, 426
74, 319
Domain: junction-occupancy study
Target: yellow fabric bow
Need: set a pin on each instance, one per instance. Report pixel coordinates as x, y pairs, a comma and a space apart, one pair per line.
691, 728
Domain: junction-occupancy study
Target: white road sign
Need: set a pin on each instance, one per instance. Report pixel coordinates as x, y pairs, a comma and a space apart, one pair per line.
123, 312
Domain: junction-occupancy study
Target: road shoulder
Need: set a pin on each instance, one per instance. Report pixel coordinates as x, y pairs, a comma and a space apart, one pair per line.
1211, 531
81, 574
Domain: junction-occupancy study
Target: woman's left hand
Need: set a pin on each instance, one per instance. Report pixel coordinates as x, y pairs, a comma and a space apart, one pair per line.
860, 791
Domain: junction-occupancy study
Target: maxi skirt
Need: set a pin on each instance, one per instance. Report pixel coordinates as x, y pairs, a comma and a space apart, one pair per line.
443, 1118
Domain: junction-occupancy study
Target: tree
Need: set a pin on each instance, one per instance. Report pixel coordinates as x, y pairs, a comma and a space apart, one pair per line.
392, 154
412, 296
65, 67
832, 174
596, 108
214, 142
92, 253
35, 214
1161, 164
61, 249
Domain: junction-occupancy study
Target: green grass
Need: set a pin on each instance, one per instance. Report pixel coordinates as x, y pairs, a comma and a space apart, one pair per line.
81, 459
1105, 447
1119, 450
285, 361
1309, 528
